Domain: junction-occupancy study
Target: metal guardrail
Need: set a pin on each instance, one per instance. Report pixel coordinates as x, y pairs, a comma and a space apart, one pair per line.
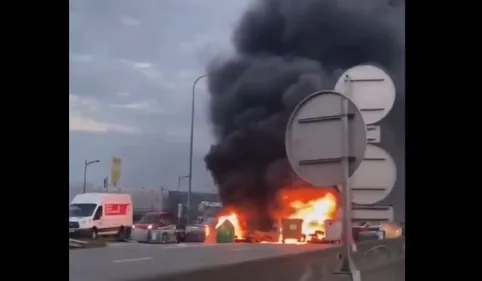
372, 255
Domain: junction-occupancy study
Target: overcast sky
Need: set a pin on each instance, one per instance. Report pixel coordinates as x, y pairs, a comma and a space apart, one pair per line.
132, 65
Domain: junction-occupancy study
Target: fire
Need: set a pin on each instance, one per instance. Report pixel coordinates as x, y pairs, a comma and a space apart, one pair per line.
314, 206
207, 231
234, 220
314, 213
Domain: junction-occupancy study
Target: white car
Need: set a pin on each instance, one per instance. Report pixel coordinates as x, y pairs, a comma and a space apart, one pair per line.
376, 230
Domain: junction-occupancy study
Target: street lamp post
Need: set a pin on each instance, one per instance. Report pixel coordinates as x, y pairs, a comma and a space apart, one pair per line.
179, 178
87, 163
192, 141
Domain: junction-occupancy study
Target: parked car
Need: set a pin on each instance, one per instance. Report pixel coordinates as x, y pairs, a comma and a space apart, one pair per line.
158, 227
376, 231
195, 233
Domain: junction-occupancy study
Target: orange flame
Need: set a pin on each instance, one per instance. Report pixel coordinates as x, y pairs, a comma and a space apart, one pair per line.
234, 220
314, 213
313, 205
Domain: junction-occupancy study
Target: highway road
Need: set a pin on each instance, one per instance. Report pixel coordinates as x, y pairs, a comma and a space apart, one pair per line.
127, 261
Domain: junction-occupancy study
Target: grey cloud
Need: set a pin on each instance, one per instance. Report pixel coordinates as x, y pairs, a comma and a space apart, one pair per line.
136, 60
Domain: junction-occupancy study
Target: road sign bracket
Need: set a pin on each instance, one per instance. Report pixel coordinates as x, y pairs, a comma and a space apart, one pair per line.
371, 109
326, 160
348, 79
325, 118
369, 188
372, 213
375, 159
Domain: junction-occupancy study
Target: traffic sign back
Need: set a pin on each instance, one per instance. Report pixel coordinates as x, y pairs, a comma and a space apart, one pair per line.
315, 135
371, 89
375, 178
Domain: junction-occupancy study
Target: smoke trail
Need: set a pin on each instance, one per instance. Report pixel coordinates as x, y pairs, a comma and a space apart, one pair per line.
285, 50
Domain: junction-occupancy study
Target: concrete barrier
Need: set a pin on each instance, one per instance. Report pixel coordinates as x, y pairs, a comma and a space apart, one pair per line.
73, 243
314, 265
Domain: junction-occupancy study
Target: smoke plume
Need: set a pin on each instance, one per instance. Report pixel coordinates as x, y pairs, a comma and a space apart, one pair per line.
285, 50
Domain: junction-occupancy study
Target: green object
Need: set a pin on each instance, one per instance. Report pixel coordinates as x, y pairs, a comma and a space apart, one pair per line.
225, 233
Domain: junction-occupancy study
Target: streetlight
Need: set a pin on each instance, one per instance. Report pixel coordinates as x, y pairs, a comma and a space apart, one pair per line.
179, 178
87, 163
192, 141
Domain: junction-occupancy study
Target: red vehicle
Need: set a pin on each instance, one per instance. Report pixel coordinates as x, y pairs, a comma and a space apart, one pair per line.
161, 227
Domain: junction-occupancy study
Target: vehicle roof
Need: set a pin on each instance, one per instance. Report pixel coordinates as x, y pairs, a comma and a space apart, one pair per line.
96, 198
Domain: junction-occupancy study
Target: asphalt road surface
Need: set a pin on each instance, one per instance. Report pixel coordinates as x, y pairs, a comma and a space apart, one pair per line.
127, 261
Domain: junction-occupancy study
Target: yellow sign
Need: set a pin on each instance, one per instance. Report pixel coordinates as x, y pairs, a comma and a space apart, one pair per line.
116, 170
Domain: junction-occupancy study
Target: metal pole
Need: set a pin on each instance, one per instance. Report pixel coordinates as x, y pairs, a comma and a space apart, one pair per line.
85, 175
192, 142
161, 200
86, 164
179, 178
348, 265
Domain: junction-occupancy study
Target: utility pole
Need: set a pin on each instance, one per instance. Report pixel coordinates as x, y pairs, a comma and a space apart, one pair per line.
179, 178
86, 164
161, 200
192, 142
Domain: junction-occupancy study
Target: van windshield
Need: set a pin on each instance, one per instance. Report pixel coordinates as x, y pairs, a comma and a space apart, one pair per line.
81, 210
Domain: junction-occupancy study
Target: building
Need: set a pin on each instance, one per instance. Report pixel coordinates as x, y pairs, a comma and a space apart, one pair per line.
202, 204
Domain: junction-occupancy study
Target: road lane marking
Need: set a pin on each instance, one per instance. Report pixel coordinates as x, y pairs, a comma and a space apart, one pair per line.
131, 260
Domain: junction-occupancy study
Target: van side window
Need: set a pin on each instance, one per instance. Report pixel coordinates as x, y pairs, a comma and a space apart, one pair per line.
98, 213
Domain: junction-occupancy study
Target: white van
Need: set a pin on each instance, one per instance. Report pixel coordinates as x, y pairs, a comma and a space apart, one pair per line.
94, 214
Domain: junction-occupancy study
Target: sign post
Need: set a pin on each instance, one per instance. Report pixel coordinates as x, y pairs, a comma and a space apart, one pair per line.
325, 143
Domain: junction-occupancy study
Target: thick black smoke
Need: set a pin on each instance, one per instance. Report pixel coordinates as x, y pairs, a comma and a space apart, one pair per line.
285, 50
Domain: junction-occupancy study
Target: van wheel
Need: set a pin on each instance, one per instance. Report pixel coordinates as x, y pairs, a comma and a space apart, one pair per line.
164, 238
149, 237
93, 233
181, 237
121, 234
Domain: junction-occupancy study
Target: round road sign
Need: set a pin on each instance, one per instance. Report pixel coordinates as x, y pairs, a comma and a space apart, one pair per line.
315, 138
370, 88
375, 178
